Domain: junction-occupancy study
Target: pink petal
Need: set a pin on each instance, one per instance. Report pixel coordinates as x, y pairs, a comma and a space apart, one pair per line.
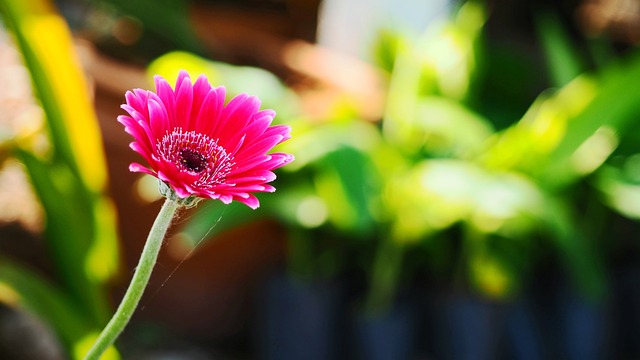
159, 122
129, 122
133, 128
226, 199
167, 98
184, 100
134, 101
238, 145
273, 162
245, 190
210, 111
258, 127
250, 201
182, 74
141, 149
151, 138
279, 160
139, 135
200, 90
255, 179
135, 167
143, 98
142, 94
260, 147
235, 117
265, 113
260, 123
251, 163
283, 130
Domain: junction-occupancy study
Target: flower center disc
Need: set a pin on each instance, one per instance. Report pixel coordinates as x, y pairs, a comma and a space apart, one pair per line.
198, 154
193, 160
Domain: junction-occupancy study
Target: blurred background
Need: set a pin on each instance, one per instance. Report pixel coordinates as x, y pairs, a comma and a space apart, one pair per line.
466, 183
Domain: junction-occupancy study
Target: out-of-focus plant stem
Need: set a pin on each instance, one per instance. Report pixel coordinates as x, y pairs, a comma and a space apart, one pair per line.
384, 276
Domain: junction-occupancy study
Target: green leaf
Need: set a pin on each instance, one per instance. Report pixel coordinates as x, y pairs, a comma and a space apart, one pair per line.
575, 243
438, 125
614, 107
353, 190
71, 184
620, 187
562, 58
69, 230
385, 47
21, 287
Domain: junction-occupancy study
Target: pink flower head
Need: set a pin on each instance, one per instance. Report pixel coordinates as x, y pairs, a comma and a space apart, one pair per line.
201, 148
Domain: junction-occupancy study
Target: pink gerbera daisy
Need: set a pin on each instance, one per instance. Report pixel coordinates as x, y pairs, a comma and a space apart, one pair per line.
201, 148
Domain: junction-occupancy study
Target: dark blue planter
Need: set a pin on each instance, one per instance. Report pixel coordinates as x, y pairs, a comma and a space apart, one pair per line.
573, 326
461, 327
388, 335
585, 327
523, 340
300, 320
626, 312
474, 328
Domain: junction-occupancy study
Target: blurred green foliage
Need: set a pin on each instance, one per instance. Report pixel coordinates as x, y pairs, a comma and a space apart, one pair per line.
70, 182
444, 169
441, 167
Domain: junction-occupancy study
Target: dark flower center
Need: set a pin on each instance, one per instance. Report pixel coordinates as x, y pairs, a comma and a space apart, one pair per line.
193, 160
196, 153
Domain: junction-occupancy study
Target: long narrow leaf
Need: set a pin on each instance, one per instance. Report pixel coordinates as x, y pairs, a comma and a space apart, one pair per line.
24, 289
614, 107
562, 59
68, 230
71, 186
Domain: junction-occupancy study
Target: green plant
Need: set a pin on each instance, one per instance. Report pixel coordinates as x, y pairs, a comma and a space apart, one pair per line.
70, 181
449, 164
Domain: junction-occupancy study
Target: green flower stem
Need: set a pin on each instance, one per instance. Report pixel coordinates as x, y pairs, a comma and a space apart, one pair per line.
138, 283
